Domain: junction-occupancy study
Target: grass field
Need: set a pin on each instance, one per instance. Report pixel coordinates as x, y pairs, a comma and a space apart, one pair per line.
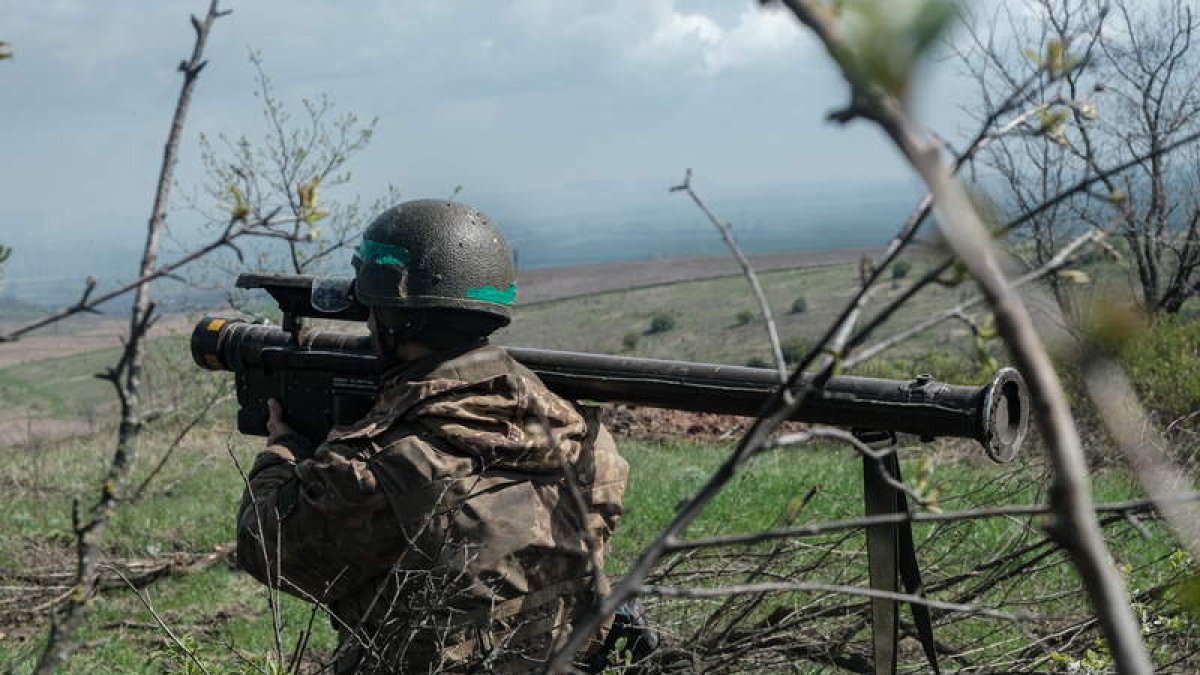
707, 327
63, 386
63, 390
223, 613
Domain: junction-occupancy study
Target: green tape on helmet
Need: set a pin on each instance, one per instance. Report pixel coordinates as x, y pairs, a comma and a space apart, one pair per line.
490, 293
379, 253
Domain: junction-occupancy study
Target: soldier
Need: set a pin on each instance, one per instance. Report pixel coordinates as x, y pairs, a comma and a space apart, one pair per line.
461, 525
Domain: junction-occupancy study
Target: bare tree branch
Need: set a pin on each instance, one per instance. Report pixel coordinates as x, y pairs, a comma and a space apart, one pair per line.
235, 230
126, 378
747, 270
1062, 259
806, 586
1076, 527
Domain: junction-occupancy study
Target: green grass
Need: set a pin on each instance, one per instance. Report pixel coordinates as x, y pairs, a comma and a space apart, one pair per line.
66, 387
664, 474
62, 386
704, 313
189, 508
192, 509
1164, 364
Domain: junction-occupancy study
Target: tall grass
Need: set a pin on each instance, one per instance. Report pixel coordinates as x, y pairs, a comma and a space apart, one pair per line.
1164, 364
223, 613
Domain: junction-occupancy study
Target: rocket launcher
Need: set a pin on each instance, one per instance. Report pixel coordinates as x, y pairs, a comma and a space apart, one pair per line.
326, 379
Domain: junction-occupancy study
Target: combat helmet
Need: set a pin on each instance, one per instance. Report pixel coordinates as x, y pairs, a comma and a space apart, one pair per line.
436, 256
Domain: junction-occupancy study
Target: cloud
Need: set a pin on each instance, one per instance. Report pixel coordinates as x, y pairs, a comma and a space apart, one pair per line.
519, 41
680, 34
700, 42
616, 39
85, 38
760, 35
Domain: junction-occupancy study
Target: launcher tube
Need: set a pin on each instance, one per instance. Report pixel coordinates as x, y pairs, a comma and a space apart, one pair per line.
995, 414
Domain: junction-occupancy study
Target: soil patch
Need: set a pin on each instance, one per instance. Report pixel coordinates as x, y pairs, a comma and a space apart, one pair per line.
638, 422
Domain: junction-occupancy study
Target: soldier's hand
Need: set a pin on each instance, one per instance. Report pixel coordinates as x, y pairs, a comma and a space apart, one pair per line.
276, 427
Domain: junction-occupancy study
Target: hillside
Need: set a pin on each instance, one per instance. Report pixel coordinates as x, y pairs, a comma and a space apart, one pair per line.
172, 541
47, 384
705, 313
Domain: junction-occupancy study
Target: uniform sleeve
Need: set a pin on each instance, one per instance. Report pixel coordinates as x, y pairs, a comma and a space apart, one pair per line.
611, 473
319, 528
603, 474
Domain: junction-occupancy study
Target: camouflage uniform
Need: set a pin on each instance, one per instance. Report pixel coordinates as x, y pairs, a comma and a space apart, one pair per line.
442, 530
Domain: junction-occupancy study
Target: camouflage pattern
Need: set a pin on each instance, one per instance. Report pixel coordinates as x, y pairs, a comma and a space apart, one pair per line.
458, 527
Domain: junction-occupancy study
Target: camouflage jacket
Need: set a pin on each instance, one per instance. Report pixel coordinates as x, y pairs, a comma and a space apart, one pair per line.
459, 526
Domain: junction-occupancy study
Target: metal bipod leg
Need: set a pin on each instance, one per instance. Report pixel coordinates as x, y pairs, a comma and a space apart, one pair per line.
891, 556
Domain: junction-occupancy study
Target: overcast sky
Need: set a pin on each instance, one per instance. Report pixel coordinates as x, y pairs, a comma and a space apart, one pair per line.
536, 107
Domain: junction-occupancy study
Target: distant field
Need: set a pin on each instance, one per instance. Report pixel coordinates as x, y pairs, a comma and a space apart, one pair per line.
60, 395
187, 511
47, 382
547, 284
706, 316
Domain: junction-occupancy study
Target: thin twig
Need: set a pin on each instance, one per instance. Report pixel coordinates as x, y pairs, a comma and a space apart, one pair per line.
236, 230
1076, 528
815, 587
1063, 258
272, 588
161, 624
817, 529
187, 428
126, 378
1025, 217
747, 270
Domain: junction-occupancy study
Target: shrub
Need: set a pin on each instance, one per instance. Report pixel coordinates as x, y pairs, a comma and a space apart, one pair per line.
944, 365
630, 341
795, 348
1164, 365
744, 317
757, 362
800, 305
661, 323
901, 269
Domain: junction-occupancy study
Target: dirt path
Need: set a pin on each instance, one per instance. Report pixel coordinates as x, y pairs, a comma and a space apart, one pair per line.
17, 432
